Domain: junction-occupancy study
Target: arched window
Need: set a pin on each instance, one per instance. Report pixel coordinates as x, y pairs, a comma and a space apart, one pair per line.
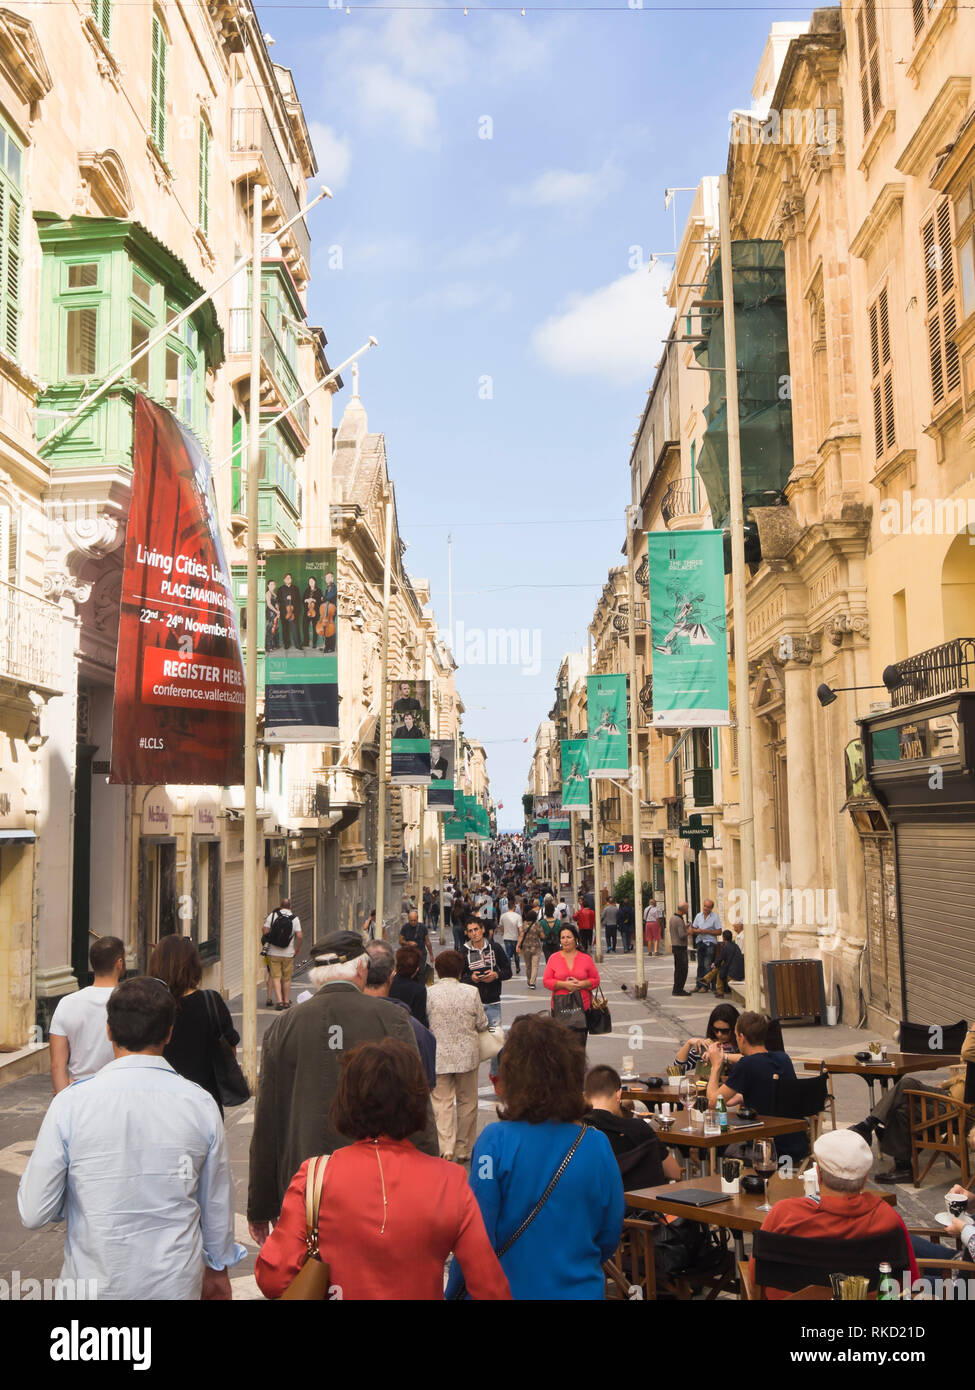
958, 588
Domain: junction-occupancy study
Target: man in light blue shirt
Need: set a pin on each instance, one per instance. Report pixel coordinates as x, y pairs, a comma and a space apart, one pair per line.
706, 929
134, 1159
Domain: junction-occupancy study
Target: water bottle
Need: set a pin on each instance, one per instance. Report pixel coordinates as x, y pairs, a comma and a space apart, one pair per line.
722, 1113
887, 1286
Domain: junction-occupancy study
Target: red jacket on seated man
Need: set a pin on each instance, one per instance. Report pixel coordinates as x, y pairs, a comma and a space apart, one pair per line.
844, 1211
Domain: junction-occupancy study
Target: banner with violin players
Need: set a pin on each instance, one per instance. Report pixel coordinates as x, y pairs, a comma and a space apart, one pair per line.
300, 614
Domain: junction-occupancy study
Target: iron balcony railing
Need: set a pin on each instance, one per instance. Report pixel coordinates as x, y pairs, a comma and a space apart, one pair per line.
937, 671
29, 638
250, 130
277, 361
309, 800
678, 500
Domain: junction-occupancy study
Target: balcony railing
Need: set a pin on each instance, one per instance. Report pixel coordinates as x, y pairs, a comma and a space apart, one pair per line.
937, 671
675, 812
276, 359
29, 638
250, 130
678, 500
308, 800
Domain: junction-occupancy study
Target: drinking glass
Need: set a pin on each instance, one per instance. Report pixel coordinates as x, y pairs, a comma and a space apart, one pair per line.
765, 1160
687, 1092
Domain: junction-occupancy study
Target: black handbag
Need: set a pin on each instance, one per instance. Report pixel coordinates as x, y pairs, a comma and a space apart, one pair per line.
598, 1018
232, 1085
567, 1008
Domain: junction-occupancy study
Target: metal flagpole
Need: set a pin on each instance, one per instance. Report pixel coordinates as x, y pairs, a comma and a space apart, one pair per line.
743, 712
420, 871
594, 819
250, 932
383, 737
632, 521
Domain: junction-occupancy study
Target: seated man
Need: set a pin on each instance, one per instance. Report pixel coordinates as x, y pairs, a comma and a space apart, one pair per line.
749, 1082
844, 1211
890, 1117
643, 1160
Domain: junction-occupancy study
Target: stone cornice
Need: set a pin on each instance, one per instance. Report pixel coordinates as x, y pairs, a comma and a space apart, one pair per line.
941, 118
886, 204
21, 57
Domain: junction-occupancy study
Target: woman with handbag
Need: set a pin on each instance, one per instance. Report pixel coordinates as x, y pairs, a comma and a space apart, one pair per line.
549, 1188
203, 1031
572, 976
457, 1018
378, 1219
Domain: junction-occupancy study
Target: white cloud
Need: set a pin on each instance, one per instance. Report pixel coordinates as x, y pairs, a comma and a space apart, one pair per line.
333, 152
614, 332
403, 107
566, 188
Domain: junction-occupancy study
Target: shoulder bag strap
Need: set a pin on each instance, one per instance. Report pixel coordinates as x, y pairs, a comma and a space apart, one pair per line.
545, 1195
212, 1014
314, 1182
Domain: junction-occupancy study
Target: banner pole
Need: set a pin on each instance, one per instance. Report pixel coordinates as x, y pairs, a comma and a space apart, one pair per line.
743, 714
383, 741
636, 779
251, 935
594, 818
420, 871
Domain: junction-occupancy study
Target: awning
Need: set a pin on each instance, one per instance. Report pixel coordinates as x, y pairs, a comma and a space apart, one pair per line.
8, 835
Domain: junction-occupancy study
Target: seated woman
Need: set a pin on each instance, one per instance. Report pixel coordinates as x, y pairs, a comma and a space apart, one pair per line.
692, 1057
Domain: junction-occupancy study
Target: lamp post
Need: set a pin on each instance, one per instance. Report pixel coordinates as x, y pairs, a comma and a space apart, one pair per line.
632, 521
383, 700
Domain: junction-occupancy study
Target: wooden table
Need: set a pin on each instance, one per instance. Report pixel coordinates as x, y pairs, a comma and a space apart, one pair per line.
898, 1064
739, 1214
651, 1096
690, 1135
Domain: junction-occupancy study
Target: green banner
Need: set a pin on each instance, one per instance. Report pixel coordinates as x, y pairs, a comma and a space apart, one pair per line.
688, 628
608, 738
300, 602
560, 831
575, 774
409, 730
440, 793
454, 828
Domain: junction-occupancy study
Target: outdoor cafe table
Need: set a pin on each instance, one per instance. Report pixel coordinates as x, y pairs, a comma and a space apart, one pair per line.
690, 1135
738, 1213
898, 1064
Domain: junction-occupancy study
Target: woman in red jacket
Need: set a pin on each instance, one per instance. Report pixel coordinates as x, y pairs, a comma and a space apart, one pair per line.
389, 1214
571, 972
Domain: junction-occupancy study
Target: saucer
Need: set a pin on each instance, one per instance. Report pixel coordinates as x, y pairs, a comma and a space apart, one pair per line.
943, 1218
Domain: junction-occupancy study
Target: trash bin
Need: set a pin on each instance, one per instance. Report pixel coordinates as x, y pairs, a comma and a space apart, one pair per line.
795, 989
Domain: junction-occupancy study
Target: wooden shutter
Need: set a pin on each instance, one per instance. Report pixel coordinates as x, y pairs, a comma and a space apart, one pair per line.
102, 10
157, 97
940, 304
869, 56
10, 222
204, 211
881, 376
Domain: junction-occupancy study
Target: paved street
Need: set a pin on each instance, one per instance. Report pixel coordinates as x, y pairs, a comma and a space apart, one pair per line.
650, 1030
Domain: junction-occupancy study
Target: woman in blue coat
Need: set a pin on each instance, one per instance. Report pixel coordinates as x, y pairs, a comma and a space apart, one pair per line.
561, 1254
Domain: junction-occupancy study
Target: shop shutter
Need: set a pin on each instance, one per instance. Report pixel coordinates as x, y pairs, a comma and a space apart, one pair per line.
936, 876
303, 903
232, 939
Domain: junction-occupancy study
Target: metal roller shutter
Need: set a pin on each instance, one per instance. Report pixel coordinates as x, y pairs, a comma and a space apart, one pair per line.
232, 942
936, 875
303, 902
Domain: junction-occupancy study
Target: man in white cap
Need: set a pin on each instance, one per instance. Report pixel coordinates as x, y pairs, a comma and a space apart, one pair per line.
843, 1211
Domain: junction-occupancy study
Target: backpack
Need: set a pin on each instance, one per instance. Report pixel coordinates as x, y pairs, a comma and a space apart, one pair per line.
279, 932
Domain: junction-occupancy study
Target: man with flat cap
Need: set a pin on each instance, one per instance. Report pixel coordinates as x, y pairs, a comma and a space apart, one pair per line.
301, 1060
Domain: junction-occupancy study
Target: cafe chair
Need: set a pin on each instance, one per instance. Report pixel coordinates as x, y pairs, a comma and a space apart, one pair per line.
636, 1265
919, 1037
792, 1263
939, 1125
801, 1098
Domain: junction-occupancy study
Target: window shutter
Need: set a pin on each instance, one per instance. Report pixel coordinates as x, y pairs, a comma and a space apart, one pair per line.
882, 377
157, 100
11, 318
939, 290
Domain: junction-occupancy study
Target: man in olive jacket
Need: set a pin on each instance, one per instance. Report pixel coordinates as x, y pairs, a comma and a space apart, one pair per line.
300, 1064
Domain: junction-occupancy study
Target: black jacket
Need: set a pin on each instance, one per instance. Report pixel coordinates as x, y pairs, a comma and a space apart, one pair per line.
491, 992
638, 1150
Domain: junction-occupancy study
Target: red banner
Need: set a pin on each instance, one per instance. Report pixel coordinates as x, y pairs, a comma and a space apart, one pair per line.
179, 674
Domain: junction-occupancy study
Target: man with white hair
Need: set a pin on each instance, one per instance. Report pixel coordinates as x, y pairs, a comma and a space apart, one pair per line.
301, 1061
844, 1211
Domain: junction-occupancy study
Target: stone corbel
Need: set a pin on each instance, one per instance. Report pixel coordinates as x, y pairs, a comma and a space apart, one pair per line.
79, 537
836, 628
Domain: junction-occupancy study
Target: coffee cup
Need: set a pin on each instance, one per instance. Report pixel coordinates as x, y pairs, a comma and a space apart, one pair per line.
956, 1204
731, 1170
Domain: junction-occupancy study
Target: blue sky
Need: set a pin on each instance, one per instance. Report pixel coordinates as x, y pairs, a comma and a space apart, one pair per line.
508, 258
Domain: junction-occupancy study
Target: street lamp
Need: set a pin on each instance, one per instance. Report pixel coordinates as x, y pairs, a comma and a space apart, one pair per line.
891, 677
